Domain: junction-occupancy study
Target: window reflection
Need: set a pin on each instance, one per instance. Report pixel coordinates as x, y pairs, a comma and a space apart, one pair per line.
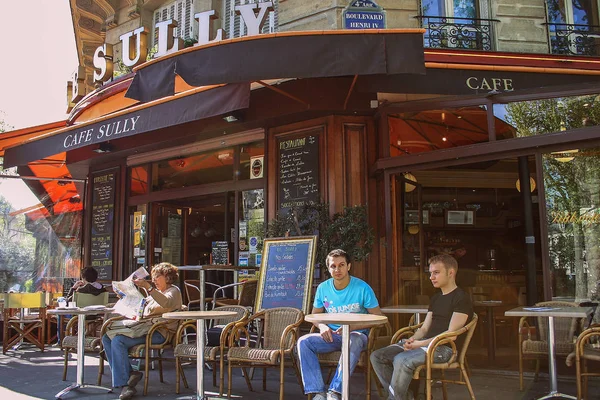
138, 180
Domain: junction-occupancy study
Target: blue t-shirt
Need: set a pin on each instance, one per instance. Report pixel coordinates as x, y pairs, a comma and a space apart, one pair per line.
354, 298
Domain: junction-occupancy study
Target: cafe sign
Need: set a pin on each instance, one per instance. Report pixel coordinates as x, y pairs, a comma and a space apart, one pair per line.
134, 44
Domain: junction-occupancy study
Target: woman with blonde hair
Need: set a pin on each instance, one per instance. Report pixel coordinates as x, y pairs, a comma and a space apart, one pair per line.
163, 297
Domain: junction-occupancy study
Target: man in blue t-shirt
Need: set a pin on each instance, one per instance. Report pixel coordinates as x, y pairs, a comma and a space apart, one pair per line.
340, 294
449, 310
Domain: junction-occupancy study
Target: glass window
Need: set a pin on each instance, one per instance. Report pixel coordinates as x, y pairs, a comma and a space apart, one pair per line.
138, 180
197, 169
137, 238
529, 118
251, 227
252, 160
571, 180
423, 131
573, 26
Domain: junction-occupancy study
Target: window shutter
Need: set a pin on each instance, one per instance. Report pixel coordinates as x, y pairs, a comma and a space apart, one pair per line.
181, 11
233, 25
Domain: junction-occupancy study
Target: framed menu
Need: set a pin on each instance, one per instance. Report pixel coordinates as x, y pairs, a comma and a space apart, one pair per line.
286, 273
102, 226
298, 169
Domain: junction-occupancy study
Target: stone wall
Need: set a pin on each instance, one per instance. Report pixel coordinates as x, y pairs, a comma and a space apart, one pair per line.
521, 28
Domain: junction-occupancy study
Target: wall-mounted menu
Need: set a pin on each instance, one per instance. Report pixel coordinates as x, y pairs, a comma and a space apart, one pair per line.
286, 273
103, 213
220, 252
298, 158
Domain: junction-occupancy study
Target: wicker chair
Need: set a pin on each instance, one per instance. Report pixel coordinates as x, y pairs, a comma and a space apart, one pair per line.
94, 326
145, 351
280, 332
532, 348
378, 337
246, 297
212, 354
457, 361
585, 350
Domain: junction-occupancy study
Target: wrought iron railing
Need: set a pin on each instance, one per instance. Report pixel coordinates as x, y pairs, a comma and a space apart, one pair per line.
457, 33
574, 39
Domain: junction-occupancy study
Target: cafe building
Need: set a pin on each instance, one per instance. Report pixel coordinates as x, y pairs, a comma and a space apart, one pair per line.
466, 131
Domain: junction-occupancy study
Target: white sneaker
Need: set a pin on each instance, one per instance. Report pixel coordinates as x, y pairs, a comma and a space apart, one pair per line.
333, 396
319, 396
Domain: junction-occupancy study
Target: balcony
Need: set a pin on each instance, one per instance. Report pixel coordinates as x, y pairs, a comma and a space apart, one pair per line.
457, 33
572, 39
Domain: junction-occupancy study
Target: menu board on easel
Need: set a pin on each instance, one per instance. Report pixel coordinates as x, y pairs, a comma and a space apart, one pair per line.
102, 227
286, 272
220, 253
298, 159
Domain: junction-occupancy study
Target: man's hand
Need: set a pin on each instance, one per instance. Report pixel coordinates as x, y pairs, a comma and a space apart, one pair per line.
326, 333
78, 284
411, 344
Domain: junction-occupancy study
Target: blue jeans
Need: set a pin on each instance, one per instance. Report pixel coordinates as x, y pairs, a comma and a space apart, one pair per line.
118, 356
395, 366
312, 344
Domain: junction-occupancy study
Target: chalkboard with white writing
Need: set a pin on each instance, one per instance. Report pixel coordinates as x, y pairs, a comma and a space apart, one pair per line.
298, 169
286, 273
102, 227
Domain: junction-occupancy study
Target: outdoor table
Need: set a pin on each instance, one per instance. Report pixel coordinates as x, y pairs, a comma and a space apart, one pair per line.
199, 316
345, 320
489, 305
81, 313
417, 310
202, 268
551, 313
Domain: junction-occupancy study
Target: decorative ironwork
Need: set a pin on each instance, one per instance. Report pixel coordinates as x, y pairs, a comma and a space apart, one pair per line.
457, 33
574, 39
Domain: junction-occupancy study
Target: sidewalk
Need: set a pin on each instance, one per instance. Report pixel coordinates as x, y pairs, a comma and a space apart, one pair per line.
31, 374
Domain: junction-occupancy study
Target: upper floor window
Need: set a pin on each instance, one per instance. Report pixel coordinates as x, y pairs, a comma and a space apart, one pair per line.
573, 27
233, 24
462, 24
182, 11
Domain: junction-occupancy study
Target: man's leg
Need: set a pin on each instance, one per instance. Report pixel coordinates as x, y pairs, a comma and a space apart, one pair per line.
405, 364
382, 361
358, 342
308, 347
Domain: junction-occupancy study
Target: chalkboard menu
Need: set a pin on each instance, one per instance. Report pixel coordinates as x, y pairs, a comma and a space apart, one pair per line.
285, 278
103, 212
220, 252
298, 159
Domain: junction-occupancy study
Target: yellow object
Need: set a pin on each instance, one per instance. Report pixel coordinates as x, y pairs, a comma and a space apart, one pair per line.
25, 300
413, 229
531, 184
407, 186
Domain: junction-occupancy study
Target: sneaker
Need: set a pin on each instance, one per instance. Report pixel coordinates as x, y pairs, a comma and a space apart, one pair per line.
331, 395
127, 393
320, 396
134, 378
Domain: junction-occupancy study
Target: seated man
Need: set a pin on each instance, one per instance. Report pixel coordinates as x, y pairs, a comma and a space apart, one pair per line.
88, 283
342, 293
449, 310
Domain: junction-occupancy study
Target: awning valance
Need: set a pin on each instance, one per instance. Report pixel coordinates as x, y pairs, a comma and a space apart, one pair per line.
283, 55
139, 119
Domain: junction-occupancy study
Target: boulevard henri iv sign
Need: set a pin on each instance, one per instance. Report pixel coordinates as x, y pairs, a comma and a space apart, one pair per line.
134, 44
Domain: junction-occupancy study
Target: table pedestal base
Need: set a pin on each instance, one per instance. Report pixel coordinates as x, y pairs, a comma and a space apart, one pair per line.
554, 395
207, 396
78, 386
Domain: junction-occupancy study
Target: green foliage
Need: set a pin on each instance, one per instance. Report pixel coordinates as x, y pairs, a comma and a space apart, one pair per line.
348, 230
4, 127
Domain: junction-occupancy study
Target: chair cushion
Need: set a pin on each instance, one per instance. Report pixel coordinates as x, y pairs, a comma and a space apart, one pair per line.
539, 347
189, 350
250, 354
90, 343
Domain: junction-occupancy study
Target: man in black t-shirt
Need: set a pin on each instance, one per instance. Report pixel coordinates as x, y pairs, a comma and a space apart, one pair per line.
449, 310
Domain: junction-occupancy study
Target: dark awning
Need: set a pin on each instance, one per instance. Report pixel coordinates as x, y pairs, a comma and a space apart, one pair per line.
283, 55
139, 119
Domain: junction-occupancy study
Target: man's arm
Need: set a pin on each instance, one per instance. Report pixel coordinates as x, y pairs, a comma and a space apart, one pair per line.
457, 321
324, 329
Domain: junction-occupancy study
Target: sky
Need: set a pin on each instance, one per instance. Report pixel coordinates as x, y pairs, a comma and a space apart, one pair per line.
37, 61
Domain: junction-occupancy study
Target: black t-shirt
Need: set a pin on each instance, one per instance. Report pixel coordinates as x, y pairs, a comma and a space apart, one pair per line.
443, 306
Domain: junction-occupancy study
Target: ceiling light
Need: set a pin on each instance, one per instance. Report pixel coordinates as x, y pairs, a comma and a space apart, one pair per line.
531, 184
407, 186
230, 118
444, 139
104, 147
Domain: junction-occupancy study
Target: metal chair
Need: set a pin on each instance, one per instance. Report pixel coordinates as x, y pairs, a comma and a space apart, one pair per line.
212, 354
280, 332
192, 292
247, 295
18, 325
536, 348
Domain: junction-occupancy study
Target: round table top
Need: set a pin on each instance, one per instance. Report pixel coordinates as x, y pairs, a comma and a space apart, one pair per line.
198, 314
405, 309
347, 318
79, 311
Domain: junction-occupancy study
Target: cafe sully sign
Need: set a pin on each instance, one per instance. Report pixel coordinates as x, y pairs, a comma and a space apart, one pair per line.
364, 14
134, 44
